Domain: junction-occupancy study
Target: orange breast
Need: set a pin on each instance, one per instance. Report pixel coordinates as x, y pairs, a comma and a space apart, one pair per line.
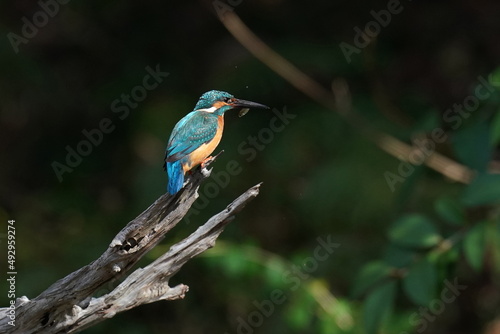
201, 153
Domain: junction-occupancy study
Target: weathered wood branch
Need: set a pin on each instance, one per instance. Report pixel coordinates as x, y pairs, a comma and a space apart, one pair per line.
68, 306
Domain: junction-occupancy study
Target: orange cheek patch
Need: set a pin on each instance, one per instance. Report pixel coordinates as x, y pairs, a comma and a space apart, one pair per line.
219, 104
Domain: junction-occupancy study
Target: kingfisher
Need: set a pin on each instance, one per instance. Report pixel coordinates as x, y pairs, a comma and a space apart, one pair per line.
197, 135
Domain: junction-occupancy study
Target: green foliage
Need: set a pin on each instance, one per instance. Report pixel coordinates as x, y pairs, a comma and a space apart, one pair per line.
371, 274
421, 252
235, 263
420, 282
321, 175
414, 230
485, 189
474, 245
328, 326
378, 305
472, 145
398, 257
299, 313
450, 210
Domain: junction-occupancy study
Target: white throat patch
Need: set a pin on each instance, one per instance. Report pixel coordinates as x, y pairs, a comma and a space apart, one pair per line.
211, 109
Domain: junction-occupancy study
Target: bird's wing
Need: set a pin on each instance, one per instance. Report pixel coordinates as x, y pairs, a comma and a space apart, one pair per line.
189, 133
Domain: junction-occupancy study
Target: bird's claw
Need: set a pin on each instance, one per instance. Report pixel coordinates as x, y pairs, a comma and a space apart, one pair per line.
209, 160
205, 163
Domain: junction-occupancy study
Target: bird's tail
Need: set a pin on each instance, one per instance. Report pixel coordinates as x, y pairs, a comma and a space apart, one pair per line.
175, 177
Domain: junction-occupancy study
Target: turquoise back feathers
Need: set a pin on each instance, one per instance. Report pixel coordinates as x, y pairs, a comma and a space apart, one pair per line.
197, 134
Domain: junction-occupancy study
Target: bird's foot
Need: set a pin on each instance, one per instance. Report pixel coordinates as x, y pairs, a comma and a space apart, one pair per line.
209, 160
205, 163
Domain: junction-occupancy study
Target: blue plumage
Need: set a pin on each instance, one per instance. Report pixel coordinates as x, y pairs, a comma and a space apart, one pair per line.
175, 176
197, 134
195, 129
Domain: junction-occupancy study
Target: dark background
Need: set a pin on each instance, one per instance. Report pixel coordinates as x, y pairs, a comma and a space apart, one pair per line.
322, 178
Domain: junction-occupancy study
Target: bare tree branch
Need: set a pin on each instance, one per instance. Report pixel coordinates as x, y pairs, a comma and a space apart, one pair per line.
68, 305
338, 101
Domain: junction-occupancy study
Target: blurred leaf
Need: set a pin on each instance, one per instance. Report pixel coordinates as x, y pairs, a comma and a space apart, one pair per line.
378, 305
450, 210
494, 79
472, 145
495, 130
369, 275
475, 246
327, 325
274, 272
299, 317
235, 262
420, 282
299, 313
414, 230
485, 189
449, 257
397, 256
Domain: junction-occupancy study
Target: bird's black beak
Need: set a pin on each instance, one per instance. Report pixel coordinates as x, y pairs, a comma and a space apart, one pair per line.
237, 103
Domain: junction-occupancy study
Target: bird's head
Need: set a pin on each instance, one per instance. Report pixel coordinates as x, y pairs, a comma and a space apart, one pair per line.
218, 102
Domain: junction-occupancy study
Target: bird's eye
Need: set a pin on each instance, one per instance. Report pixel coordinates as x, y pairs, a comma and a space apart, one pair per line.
227, 99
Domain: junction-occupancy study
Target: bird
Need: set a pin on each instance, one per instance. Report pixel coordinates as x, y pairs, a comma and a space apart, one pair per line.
197, 135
